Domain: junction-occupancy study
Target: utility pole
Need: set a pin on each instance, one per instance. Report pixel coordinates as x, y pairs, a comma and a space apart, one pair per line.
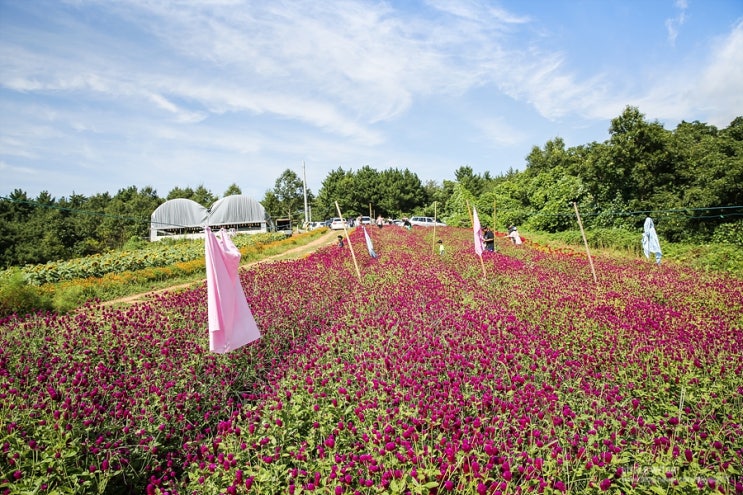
304, 187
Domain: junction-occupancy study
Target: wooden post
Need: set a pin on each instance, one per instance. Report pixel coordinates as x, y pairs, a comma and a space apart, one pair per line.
434, 228
585, 242
348, 239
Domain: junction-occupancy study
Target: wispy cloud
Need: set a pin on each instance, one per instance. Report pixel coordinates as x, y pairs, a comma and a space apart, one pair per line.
151, 87
674, 24
721, 83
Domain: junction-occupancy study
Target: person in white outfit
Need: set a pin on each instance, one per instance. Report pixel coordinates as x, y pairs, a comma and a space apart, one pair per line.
514, 235
650, 242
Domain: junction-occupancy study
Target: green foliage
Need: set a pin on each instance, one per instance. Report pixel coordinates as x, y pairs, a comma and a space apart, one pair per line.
603, 238
71, 297
18, 296
729, 233
143, 255
457, 208
232, 190
390, 193
691, 171
552, 194
722, 257
286, 199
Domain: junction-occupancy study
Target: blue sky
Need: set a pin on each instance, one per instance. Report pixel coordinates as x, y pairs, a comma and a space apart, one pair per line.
99, 95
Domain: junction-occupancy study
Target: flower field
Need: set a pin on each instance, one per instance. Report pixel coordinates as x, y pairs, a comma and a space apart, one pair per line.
422, 377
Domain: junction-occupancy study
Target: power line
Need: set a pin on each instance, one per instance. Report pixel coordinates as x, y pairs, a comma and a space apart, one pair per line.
675, 212
672, 212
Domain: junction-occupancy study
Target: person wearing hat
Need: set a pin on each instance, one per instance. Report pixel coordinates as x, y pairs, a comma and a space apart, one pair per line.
513, 233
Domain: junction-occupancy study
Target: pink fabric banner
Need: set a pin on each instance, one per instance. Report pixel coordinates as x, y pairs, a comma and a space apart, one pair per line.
231, 323
477, 232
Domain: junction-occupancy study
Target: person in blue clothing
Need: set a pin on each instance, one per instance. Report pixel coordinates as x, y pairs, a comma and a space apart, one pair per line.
340, 241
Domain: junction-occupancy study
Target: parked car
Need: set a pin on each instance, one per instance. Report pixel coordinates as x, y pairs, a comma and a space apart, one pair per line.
338, 224
315, 225
366, 221
426, 222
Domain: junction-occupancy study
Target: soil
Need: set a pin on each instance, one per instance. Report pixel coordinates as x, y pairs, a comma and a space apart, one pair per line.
294, 253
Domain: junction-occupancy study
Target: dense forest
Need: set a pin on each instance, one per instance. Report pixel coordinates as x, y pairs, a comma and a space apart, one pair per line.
689, 179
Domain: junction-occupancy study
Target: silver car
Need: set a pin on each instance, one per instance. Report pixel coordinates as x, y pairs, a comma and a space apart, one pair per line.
426, 222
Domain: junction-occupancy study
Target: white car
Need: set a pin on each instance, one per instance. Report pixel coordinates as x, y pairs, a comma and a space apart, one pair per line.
338, 224
426, 222
366, 221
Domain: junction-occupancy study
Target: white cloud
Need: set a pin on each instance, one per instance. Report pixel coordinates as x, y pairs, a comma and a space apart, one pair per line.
721, 84
8, 168
499, 132
673, 24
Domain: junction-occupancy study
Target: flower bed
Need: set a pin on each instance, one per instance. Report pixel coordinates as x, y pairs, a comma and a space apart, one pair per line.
425, 377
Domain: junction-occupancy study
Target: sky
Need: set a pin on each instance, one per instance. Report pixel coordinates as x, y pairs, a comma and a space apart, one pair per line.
100, 95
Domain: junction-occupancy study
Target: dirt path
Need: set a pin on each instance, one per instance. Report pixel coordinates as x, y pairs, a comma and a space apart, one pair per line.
293, 253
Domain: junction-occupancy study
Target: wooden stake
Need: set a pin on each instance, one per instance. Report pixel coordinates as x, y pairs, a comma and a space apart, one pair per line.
434, 228
585, 242
348, 239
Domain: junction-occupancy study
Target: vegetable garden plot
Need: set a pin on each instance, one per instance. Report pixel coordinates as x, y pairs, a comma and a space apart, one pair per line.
422, 377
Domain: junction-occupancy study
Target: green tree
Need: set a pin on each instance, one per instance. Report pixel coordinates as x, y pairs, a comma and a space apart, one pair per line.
15, 210
336, 186
271, 204
128, 215
641, 163
366, 189
469, 180
233, 189
289, 192
399, 192
179, 192
203, 196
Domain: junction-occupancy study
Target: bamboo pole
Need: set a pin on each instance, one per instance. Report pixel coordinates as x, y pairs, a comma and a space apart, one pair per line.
494, 212
348, 239
585, 242
433, 247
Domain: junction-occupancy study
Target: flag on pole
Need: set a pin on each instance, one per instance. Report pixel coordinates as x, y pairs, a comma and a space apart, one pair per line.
369, 244
231, 323
477, 232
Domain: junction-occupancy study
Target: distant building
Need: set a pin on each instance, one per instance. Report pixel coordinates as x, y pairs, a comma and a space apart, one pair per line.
184, 218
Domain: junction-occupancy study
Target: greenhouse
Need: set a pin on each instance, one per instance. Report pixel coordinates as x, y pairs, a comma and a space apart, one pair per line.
185, 218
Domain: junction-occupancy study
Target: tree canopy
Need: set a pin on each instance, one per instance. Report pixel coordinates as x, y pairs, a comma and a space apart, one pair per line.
688, 178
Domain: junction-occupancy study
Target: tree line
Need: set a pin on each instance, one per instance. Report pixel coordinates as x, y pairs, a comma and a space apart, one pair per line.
689, 179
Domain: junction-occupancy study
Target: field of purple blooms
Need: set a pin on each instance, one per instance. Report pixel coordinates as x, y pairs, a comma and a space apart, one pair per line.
423, 377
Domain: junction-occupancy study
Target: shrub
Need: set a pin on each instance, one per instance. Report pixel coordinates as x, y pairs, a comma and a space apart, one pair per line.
17, 296
729, 233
